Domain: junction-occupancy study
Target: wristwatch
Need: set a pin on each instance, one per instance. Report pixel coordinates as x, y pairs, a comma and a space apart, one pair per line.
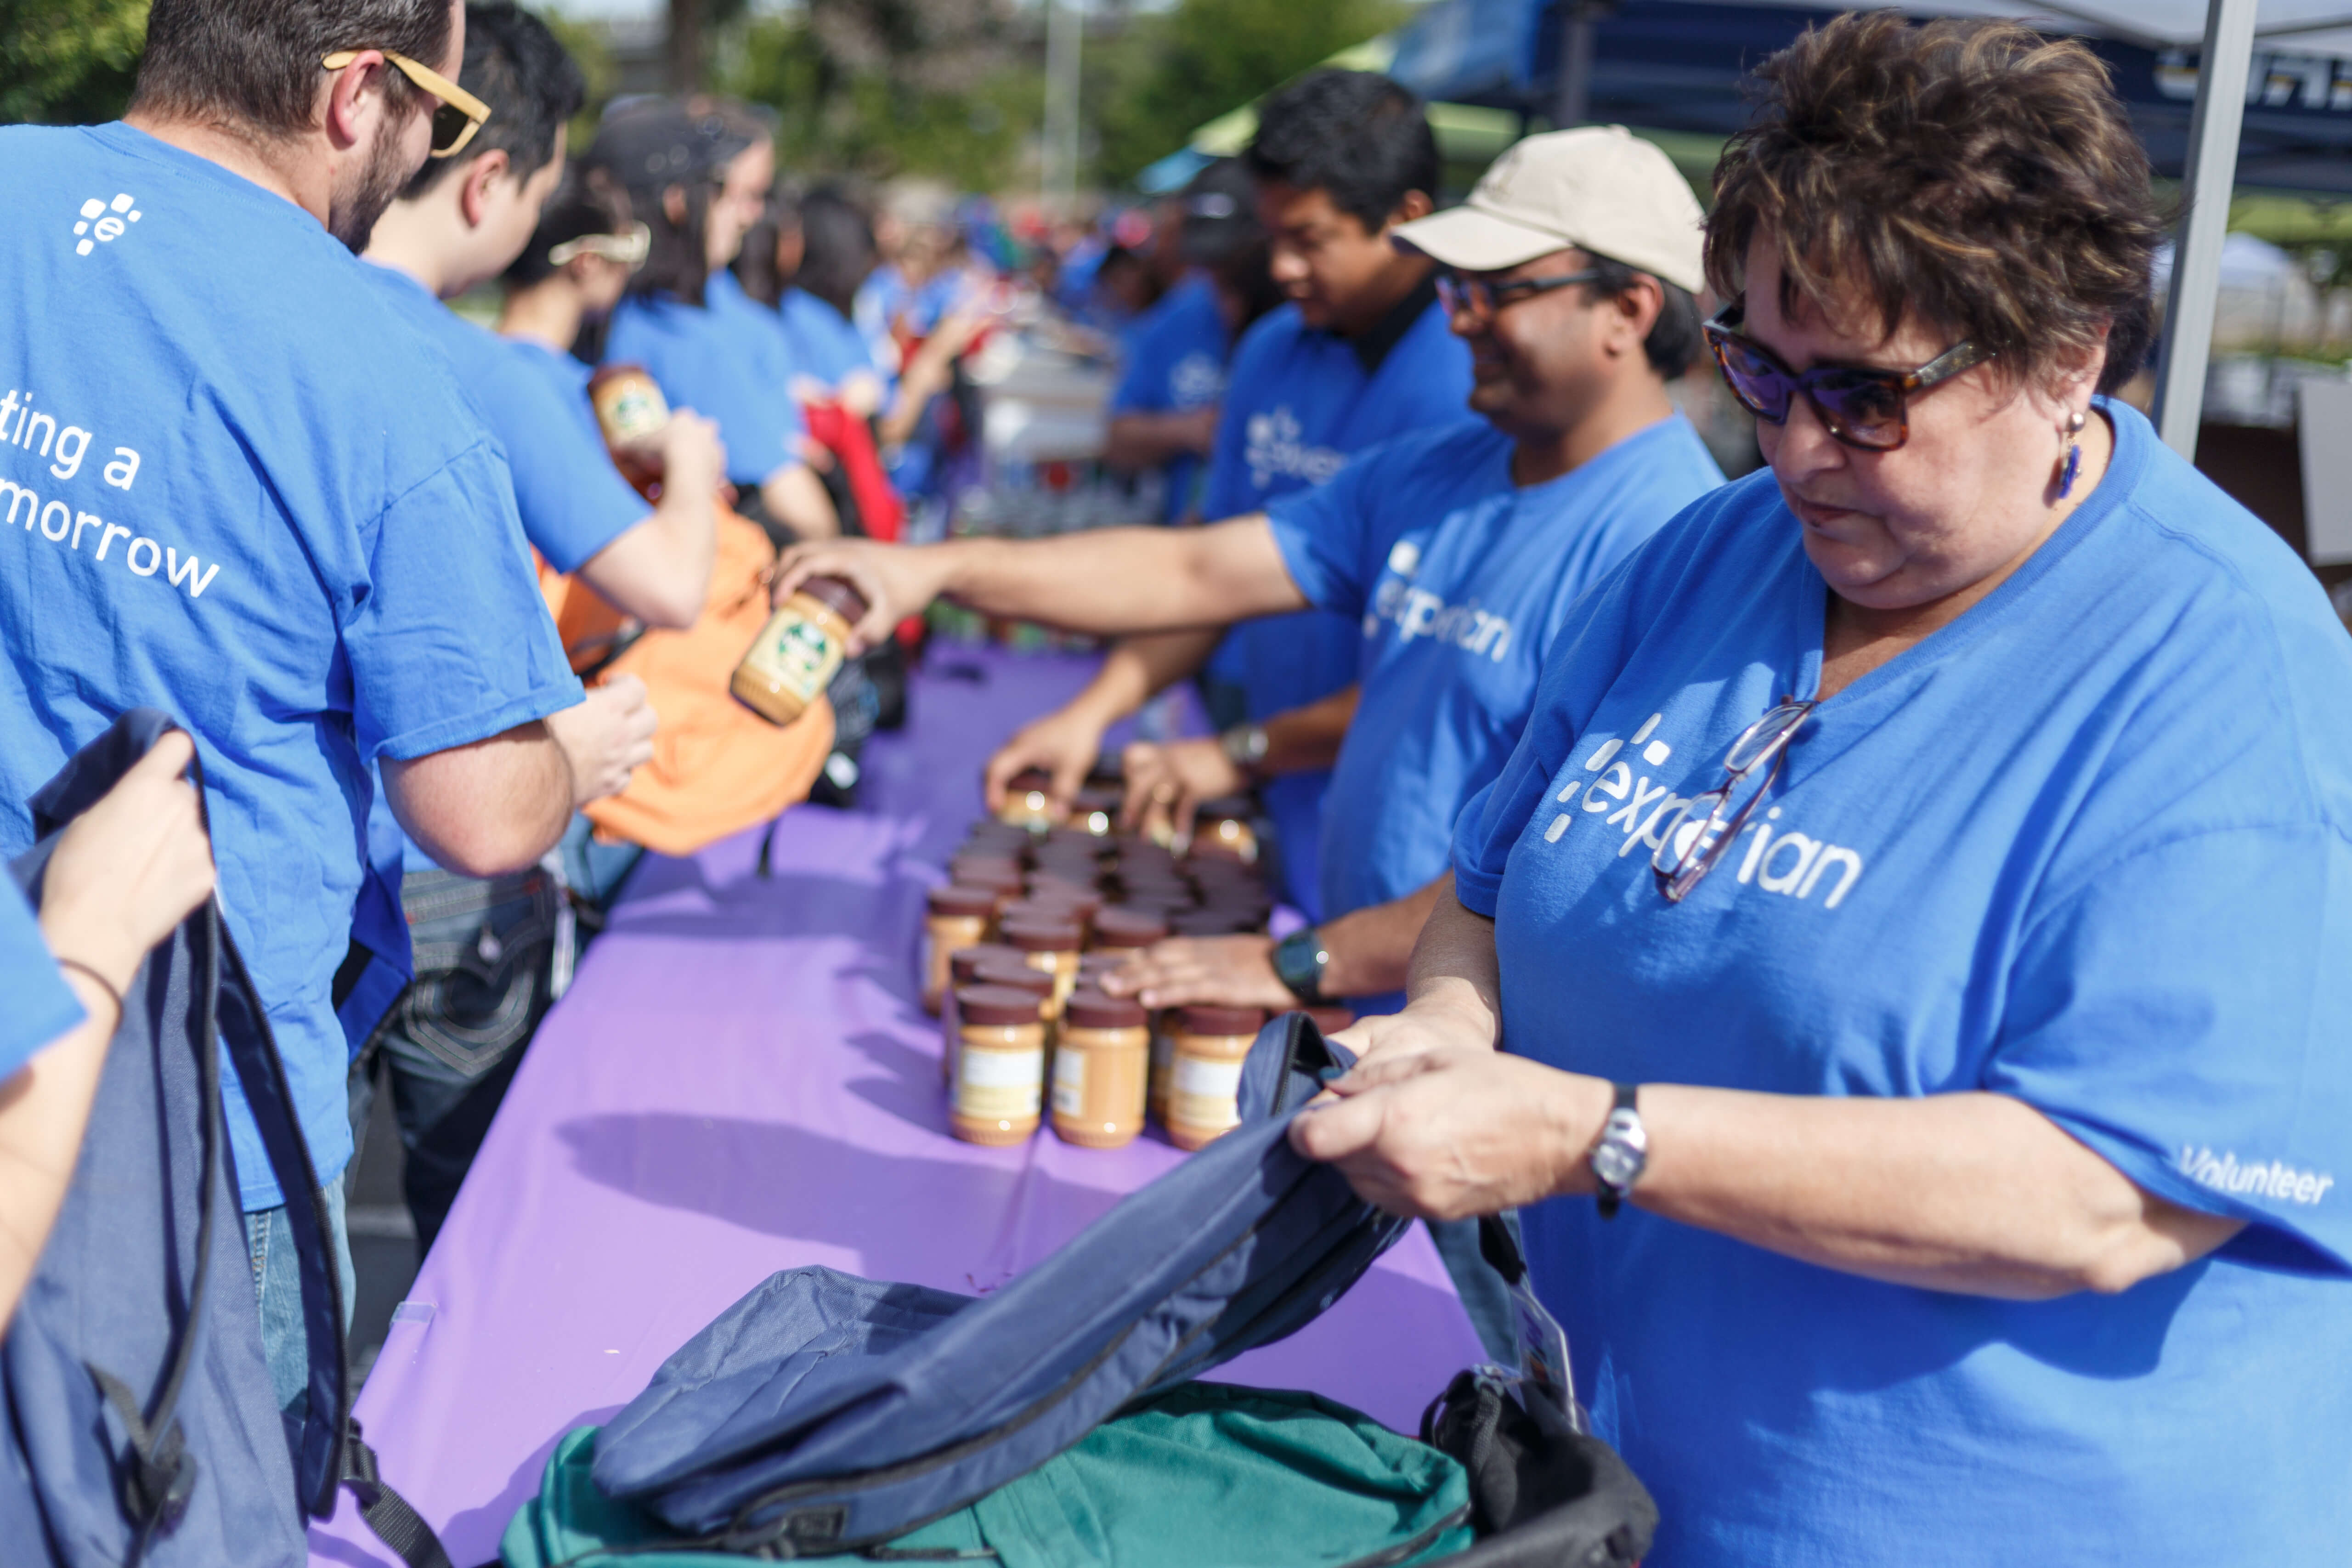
1299, 961
1246, 747
1624, 1149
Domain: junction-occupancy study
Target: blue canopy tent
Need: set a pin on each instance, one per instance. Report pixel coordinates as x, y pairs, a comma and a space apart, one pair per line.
1680, 65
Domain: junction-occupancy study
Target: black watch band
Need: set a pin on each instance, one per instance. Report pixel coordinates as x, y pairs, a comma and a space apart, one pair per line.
1621, 1151
1299, 961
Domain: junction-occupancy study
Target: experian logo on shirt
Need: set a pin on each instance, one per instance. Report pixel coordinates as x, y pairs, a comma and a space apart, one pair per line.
1778, 861
1418, 613
2262, 1179
102, 221
1274, 449
1197, 379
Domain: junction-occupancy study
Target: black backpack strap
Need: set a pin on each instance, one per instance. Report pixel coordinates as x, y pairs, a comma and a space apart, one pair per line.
388, 1513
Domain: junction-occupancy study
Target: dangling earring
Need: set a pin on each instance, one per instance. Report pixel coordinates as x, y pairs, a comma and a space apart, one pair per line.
2074, 439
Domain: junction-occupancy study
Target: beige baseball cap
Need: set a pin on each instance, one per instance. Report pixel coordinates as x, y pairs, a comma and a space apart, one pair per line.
1598, 188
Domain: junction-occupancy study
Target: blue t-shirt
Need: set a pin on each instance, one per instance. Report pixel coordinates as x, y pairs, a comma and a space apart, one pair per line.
823, 343
1299, 404
308, 557
1177, 362
572, 499
1459, 580
2090, 846
41, 1005
728, 361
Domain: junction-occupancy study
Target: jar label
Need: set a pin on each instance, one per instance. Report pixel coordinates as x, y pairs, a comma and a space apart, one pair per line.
794, 652
1070, 1083
1206, 1093
999, 1085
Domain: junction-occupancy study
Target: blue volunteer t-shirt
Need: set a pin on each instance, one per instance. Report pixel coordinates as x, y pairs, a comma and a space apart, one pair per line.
1459, 580
41, 1005
1177, 362
571, 501
2090, 846
1299, 404
728, 361
823, 343
308, 557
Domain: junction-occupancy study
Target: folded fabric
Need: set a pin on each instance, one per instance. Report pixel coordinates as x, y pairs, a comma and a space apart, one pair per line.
1206, 1473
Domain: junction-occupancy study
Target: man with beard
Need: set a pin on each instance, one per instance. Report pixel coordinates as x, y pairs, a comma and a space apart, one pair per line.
262, 507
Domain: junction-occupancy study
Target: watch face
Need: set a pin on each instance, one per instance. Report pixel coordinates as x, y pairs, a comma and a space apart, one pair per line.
1614, 1166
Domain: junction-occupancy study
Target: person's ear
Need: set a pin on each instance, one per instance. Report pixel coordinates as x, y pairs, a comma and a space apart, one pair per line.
355, 100
1415, 204
673, 200
1633, 312
474, 187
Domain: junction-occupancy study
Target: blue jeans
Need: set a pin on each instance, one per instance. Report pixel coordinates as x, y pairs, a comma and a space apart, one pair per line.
278, 1286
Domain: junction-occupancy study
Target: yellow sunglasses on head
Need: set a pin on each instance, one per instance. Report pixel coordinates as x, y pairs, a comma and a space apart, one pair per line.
460, 113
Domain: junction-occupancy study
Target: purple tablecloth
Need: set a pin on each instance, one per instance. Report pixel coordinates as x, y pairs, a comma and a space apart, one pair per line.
740, 1080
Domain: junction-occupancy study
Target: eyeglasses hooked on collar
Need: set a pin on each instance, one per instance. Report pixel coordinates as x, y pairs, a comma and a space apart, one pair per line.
1861, 405
628, 248
460, 113
1482, 297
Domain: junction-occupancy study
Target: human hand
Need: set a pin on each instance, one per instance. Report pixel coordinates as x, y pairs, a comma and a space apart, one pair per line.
129, 869
1452, 1131
605, 737
691, 454
1175, 776
895, 580
1064, 743
1226, 971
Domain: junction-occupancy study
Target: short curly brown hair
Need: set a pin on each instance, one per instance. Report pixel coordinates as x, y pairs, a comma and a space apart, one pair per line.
1974, 173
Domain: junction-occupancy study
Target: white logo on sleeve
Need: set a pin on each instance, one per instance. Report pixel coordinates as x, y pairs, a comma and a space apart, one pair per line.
1778, 861
1276, 447
2259, 1179
103, 222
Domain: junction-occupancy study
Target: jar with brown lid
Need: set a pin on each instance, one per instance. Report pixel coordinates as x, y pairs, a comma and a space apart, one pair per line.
1208, 921
1220, 827
1205, 1072
1122, 929
1094, 810
953, 916
964, 969
799, 651
1100, 1064
1330, 1020
630, 411
1029, 801
1000, 1075
1051, 945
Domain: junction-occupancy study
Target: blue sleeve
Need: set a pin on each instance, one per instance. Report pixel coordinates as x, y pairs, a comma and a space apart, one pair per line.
451, 642
1144, 385
2184, 1012
41, 1006
573, 501
1322, 532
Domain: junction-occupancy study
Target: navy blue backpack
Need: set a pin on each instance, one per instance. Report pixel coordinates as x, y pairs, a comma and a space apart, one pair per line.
824, 1414
139, 1423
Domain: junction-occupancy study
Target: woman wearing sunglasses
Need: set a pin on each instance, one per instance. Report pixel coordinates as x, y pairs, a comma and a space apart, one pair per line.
1918, 921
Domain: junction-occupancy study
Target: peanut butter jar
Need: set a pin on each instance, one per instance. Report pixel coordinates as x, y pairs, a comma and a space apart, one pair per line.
964, 969
1204, 1081
1051, 945
799, 651
1000, 1076
953, 917
1029, 801
1126, 932
1100, 1064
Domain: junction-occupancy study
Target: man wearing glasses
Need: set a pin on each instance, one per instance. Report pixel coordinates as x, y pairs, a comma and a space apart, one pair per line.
260, 508
461, 222
1456, 554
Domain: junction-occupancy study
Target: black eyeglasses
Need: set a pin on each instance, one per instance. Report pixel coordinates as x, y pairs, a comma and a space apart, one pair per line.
1688, 850
1861, 405
1482, 297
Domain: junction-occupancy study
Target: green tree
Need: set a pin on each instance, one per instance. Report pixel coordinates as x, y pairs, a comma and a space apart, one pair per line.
1171, 71
67, 62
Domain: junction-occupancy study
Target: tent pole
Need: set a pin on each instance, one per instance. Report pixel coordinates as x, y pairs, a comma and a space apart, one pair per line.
1572, 99
2212, 168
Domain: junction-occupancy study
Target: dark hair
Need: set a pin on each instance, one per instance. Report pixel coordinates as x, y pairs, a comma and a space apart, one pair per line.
588, 201
1247, 276
1357, 136
837, 248
654, 144
755, 265
254, 64
515, 64
1973, 172
1674, 340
